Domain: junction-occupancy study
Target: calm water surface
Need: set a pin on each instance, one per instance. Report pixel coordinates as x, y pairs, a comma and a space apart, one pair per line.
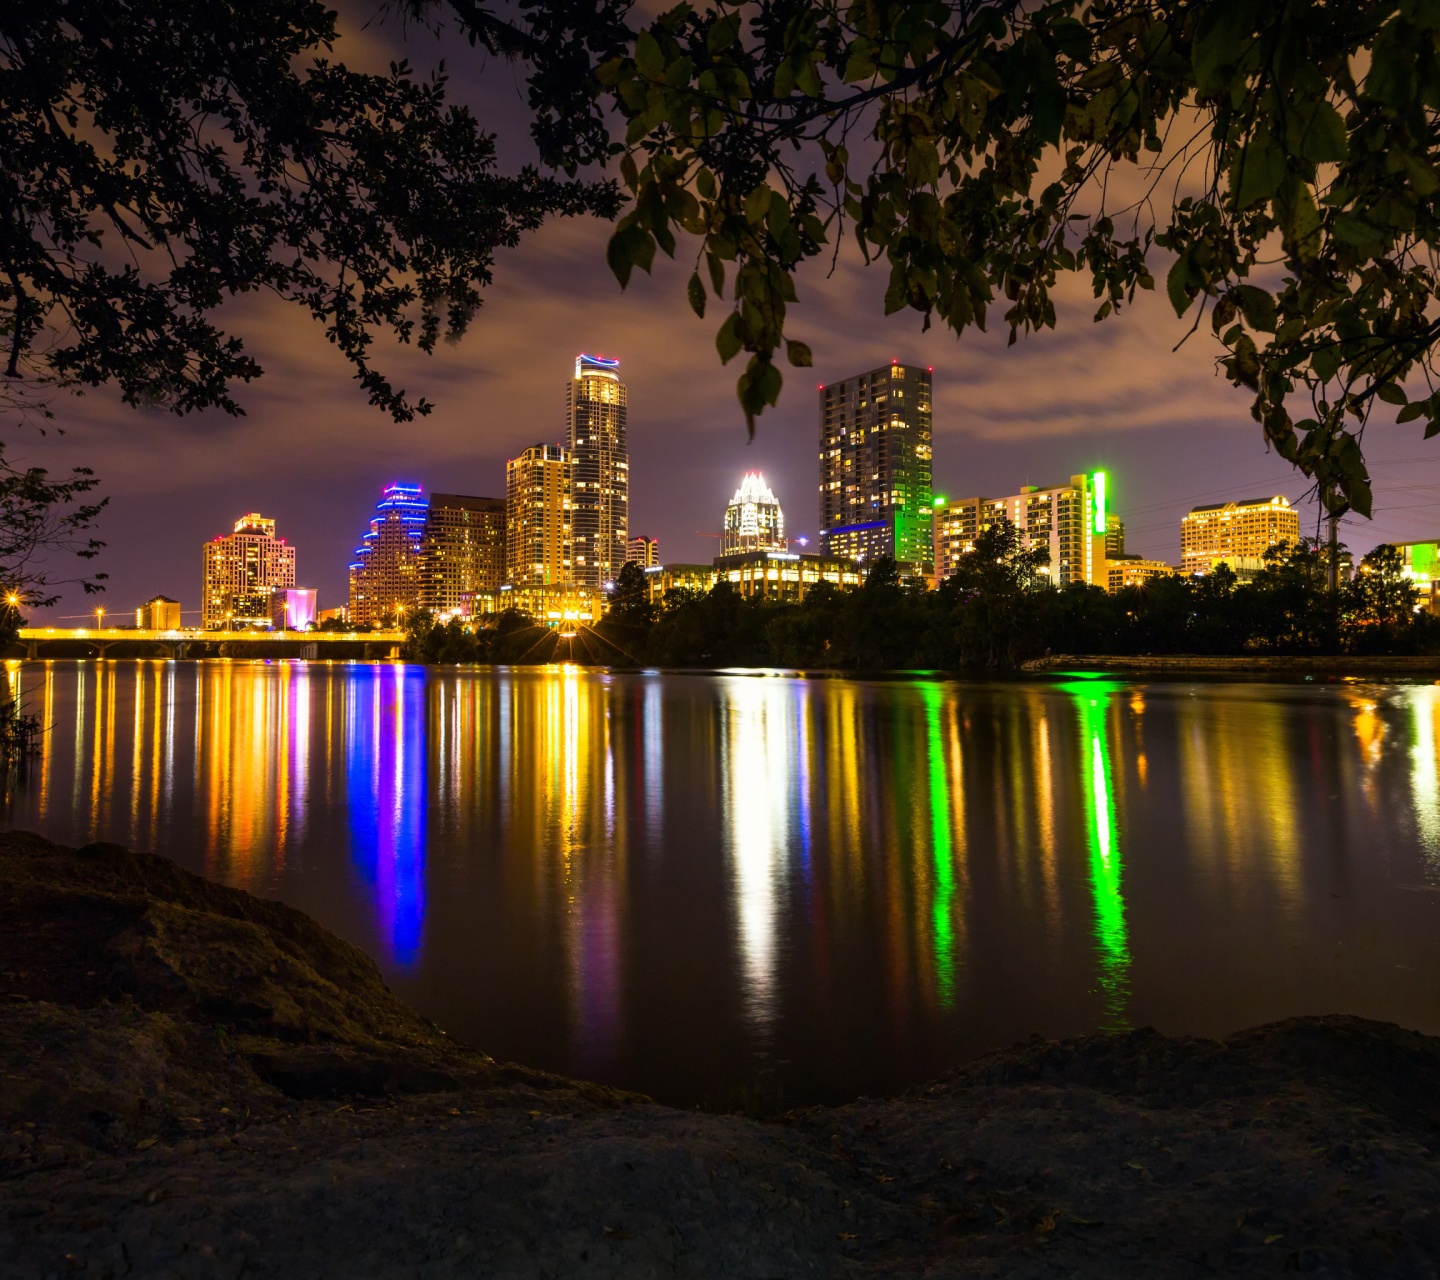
688, 883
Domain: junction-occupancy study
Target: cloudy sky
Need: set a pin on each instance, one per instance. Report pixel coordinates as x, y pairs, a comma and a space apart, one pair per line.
314, 455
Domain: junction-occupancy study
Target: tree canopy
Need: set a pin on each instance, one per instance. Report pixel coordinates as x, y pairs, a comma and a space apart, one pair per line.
1281, 154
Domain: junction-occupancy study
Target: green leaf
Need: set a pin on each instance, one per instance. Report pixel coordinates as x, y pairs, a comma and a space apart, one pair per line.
1323, 139
757, 205
722, 34
1325, 363
1246, 363
717, 274
727, 341
1178, 287
798, 354
1392, 394
629, 247
1221, 41
696, 291
1257, 171
1299, 219
648, 59
1258, 308
705, 184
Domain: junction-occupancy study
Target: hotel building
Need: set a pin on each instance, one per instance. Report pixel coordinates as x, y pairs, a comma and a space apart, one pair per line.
875, 455
753, 519
1069, 521
1247, 529
464, 551
387, 572
643, 551
538, 515
241, 569
595, 406
159, 613
784, 575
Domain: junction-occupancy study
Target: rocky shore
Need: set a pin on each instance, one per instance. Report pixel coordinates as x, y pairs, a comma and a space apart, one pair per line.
198, 1083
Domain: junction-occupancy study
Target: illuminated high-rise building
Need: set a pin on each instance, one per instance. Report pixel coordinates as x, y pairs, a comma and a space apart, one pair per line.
538, 516
875, 454
643, 551
595, 405
241, 570
159, 613
753, 519
464, 550
1070, 521
1246, 529
386, 575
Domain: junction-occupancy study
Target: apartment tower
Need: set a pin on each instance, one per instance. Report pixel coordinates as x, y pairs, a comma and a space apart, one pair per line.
241, 570
387, 573
1235, 530
600, 503
464, 551
875, 456
538, 517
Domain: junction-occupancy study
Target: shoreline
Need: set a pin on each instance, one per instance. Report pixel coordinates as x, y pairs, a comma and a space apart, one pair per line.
201, 1082
1337, 665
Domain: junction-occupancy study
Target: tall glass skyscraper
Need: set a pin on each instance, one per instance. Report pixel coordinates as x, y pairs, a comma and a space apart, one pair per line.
875, 466
600, 519
753, 520
386, 576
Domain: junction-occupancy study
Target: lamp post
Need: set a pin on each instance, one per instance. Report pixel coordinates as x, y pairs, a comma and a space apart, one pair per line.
99, 617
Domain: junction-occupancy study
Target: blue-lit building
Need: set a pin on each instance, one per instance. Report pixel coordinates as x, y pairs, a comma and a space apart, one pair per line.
387, 575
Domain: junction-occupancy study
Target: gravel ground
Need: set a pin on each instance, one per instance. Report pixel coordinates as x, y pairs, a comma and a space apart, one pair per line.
150, 1128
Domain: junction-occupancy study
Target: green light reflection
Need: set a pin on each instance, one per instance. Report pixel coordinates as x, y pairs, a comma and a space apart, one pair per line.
1092, 702
942, 854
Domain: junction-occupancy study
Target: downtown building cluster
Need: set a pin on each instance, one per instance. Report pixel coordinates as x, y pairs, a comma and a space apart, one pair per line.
554, 544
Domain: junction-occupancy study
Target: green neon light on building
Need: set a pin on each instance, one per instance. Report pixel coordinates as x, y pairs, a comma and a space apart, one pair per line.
1097, 485
1112, 939
940, 850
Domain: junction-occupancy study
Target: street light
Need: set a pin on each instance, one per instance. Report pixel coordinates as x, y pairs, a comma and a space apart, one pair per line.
99, 617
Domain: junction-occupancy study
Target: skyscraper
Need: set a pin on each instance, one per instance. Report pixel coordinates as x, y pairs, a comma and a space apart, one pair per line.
1245, 529
875, 457
385, 577
538, 517
241, 570
595, 405
464, 550
753, 519
642, 550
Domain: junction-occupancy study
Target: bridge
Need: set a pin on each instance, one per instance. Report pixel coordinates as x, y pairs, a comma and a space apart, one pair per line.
231, 644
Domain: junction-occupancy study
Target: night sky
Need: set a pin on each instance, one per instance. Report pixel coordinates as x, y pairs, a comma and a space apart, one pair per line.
314, 455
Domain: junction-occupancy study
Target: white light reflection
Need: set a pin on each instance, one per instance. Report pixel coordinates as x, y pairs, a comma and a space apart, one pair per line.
759, 747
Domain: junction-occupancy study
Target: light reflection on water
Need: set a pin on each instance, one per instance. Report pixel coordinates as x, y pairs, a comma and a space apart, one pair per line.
673, 882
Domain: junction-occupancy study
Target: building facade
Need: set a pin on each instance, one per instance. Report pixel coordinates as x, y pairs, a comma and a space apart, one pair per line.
595, 405
753, 519
464, 549
958, 523
661, 579
556, 605
159, 613
387, 572
875, 457
784, 575
1247, 529
643, 551
241, 569
538, 514
293, 608
1135, 571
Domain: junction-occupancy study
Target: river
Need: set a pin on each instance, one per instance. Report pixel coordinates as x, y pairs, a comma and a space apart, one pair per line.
696, 885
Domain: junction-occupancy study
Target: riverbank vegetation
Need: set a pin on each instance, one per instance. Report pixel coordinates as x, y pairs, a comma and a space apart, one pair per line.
996, 611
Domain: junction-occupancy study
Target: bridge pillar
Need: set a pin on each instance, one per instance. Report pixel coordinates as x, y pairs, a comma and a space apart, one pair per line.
32, 650
102, 647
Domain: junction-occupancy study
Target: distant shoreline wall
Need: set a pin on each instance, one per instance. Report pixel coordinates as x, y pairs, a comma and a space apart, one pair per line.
1342, 664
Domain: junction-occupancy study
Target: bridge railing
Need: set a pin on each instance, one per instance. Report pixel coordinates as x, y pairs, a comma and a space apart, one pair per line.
217, 637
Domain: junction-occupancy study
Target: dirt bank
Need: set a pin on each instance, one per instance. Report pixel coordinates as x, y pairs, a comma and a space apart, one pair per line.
197, 1083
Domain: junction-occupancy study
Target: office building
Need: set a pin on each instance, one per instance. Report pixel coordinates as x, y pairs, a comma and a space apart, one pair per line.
958, 522
784, 575
386, 575
661, 579
562, 605
464, 551
643, 551
1248, 529
600, 517
875, 455
538, 513
241, 569
1420, 563
1134, 571
293, 608
1069, 521
159, 613
753, 519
